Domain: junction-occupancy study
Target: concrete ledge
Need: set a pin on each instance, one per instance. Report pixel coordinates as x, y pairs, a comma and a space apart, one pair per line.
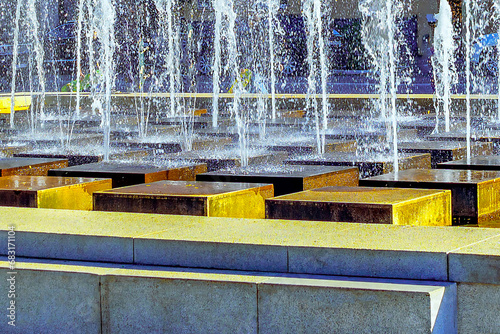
369, 250
132, 299
80, 235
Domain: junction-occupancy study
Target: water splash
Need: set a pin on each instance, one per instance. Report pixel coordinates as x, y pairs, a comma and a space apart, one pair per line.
219, 9
312, 12
79, 28
273, 6
103, 25
15, 53
444, 62
380, 32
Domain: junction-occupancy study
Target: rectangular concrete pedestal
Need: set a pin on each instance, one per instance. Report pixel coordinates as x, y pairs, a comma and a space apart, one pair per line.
475, 194
365, 205
50, 192
239, 200
8, 150
288, 179
173, 144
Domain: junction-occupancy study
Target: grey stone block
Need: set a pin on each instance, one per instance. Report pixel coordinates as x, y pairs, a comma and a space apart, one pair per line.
73, 247
167, 305
340, 306
478, 308
477, 263
217, 255
53, 302
369, 263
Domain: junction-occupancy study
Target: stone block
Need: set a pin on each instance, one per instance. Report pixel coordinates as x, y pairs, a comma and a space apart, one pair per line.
287, 179
50, 192
365, 205
475, 195
238, 200
443, 151
291, 305
140, 301
390, 251
52, 299
80, 235
476, 263
369, 164
30, 166
478, 308
126, 174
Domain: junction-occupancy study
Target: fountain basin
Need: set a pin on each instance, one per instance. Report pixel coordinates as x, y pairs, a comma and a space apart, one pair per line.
211, 199
30, 166
474, 194
50, 192
287, 179
126, 174
365, 205
368, 164
442, 151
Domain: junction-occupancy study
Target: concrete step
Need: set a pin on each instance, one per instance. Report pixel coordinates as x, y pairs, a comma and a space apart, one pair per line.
326, 248
52, 296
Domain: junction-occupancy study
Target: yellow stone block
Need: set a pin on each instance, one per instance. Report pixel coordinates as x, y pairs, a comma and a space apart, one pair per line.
211, 199
73, 193
365, 205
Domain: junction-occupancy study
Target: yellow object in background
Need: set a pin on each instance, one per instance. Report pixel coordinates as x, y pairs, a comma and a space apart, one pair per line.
20, 103
245, 77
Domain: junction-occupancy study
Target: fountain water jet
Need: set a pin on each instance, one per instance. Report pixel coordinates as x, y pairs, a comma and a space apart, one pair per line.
444, 62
